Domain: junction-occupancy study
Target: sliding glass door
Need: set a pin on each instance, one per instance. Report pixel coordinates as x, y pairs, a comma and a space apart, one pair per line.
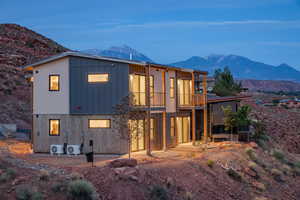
137, 137
183, 129
185, 92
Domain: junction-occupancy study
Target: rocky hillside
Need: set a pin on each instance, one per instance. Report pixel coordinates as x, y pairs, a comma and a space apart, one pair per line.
19, 46
269, 85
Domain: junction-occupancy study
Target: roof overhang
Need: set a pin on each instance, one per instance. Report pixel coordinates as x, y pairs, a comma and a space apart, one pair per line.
30, 67
226, 99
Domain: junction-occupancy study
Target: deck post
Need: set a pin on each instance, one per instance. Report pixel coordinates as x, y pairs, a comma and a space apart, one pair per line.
148, 114
193, 111
205, 118
164, 114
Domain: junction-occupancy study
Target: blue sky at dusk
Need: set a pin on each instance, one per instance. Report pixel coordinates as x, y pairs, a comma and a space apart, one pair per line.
168, 30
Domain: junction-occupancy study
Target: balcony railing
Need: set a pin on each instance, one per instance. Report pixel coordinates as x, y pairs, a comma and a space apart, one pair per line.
187, 100
157, 99
199, 99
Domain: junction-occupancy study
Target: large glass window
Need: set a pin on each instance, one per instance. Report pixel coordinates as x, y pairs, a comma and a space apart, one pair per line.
138, 89
185, 92
137, 137
99, 123
97, 78
54, 127
53, 82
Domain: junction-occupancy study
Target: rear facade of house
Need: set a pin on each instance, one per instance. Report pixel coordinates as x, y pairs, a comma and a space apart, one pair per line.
74, 100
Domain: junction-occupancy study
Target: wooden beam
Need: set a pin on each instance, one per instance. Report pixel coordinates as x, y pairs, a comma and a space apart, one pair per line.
205, 121
164, 114
148, 117
193, 111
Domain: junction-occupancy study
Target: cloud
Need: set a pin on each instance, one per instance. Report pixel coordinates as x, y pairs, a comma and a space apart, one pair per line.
181, 24
278, 43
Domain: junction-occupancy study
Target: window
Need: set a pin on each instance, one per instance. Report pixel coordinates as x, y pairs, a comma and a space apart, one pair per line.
137, 86
54, 127
53, 82
172, 127
172, 91
97, 78
151, 128
184, 92
151, 86
99, 123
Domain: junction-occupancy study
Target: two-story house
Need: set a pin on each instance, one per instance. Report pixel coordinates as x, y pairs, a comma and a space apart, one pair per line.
74, 96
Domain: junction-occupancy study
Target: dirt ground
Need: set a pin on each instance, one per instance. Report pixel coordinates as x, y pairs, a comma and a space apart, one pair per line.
183, 172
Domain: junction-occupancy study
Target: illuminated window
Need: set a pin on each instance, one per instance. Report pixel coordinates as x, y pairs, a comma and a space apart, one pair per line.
99, 123
172, 127
53, 82
172, 91
54, 127
97, 78
151, 128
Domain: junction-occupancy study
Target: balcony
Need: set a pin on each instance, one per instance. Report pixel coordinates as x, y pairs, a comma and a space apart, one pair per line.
188, 100
157, 99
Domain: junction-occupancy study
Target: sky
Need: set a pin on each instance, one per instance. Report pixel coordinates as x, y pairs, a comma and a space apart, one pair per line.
168, 30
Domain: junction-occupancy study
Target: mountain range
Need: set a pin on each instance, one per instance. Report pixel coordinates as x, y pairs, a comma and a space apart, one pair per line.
123, 52
241, 67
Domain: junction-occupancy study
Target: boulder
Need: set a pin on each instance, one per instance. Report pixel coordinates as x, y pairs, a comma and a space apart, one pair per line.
123, 162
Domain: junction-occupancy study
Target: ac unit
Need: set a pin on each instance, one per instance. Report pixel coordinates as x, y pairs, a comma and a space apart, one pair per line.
56, 149
73, 149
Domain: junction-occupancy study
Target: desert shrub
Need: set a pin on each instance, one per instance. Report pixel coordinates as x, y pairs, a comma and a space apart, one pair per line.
253, 166
296, 171
297, 164
234, 174
59, 187
279, 155
286, 170
81, 190
44, 175
25, 192
210, 163
11, 172
158, 193
76, 176
252, 155
277, 175
8, 175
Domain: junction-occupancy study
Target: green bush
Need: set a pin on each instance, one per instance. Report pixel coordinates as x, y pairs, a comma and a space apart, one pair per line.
158, 193
25, 192
234, 175
81, 190
279, 155
210, 163
8, 175
59, 187
297, 164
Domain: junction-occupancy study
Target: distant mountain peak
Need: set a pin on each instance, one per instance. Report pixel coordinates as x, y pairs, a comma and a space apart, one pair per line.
123, 52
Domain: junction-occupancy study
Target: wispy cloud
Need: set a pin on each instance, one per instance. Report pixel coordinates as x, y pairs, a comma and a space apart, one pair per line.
283, 44
180, 24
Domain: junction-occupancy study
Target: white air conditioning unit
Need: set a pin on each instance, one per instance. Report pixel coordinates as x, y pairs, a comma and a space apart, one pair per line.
73, 149
56, 149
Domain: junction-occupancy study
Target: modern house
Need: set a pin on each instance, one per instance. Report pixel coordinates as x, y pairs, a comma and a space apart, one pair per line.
75, 95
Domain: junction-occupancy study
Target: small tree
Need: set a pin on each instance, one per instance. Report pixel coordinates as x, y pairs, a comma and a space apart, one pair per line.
236, 119
225, 85
126, 118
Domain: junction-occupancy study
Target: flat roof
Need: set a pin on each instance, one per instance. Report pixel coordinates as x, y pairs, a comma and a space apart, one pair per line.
82, 55
215, 99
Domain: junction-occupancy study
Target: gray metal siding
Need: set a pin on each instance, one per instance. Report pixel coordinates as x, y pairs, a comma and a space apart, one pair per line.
96, 98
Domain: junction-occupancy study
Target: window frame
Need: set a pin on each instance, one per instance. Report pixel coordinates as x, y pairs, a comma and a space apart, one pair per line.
172, 127
172, 88
99, 127
50, 127
98, 73
51, 90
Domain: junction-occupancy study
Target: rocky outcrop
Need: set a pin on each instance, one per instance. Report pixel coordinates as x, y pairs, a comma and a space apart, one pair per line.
19, 46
